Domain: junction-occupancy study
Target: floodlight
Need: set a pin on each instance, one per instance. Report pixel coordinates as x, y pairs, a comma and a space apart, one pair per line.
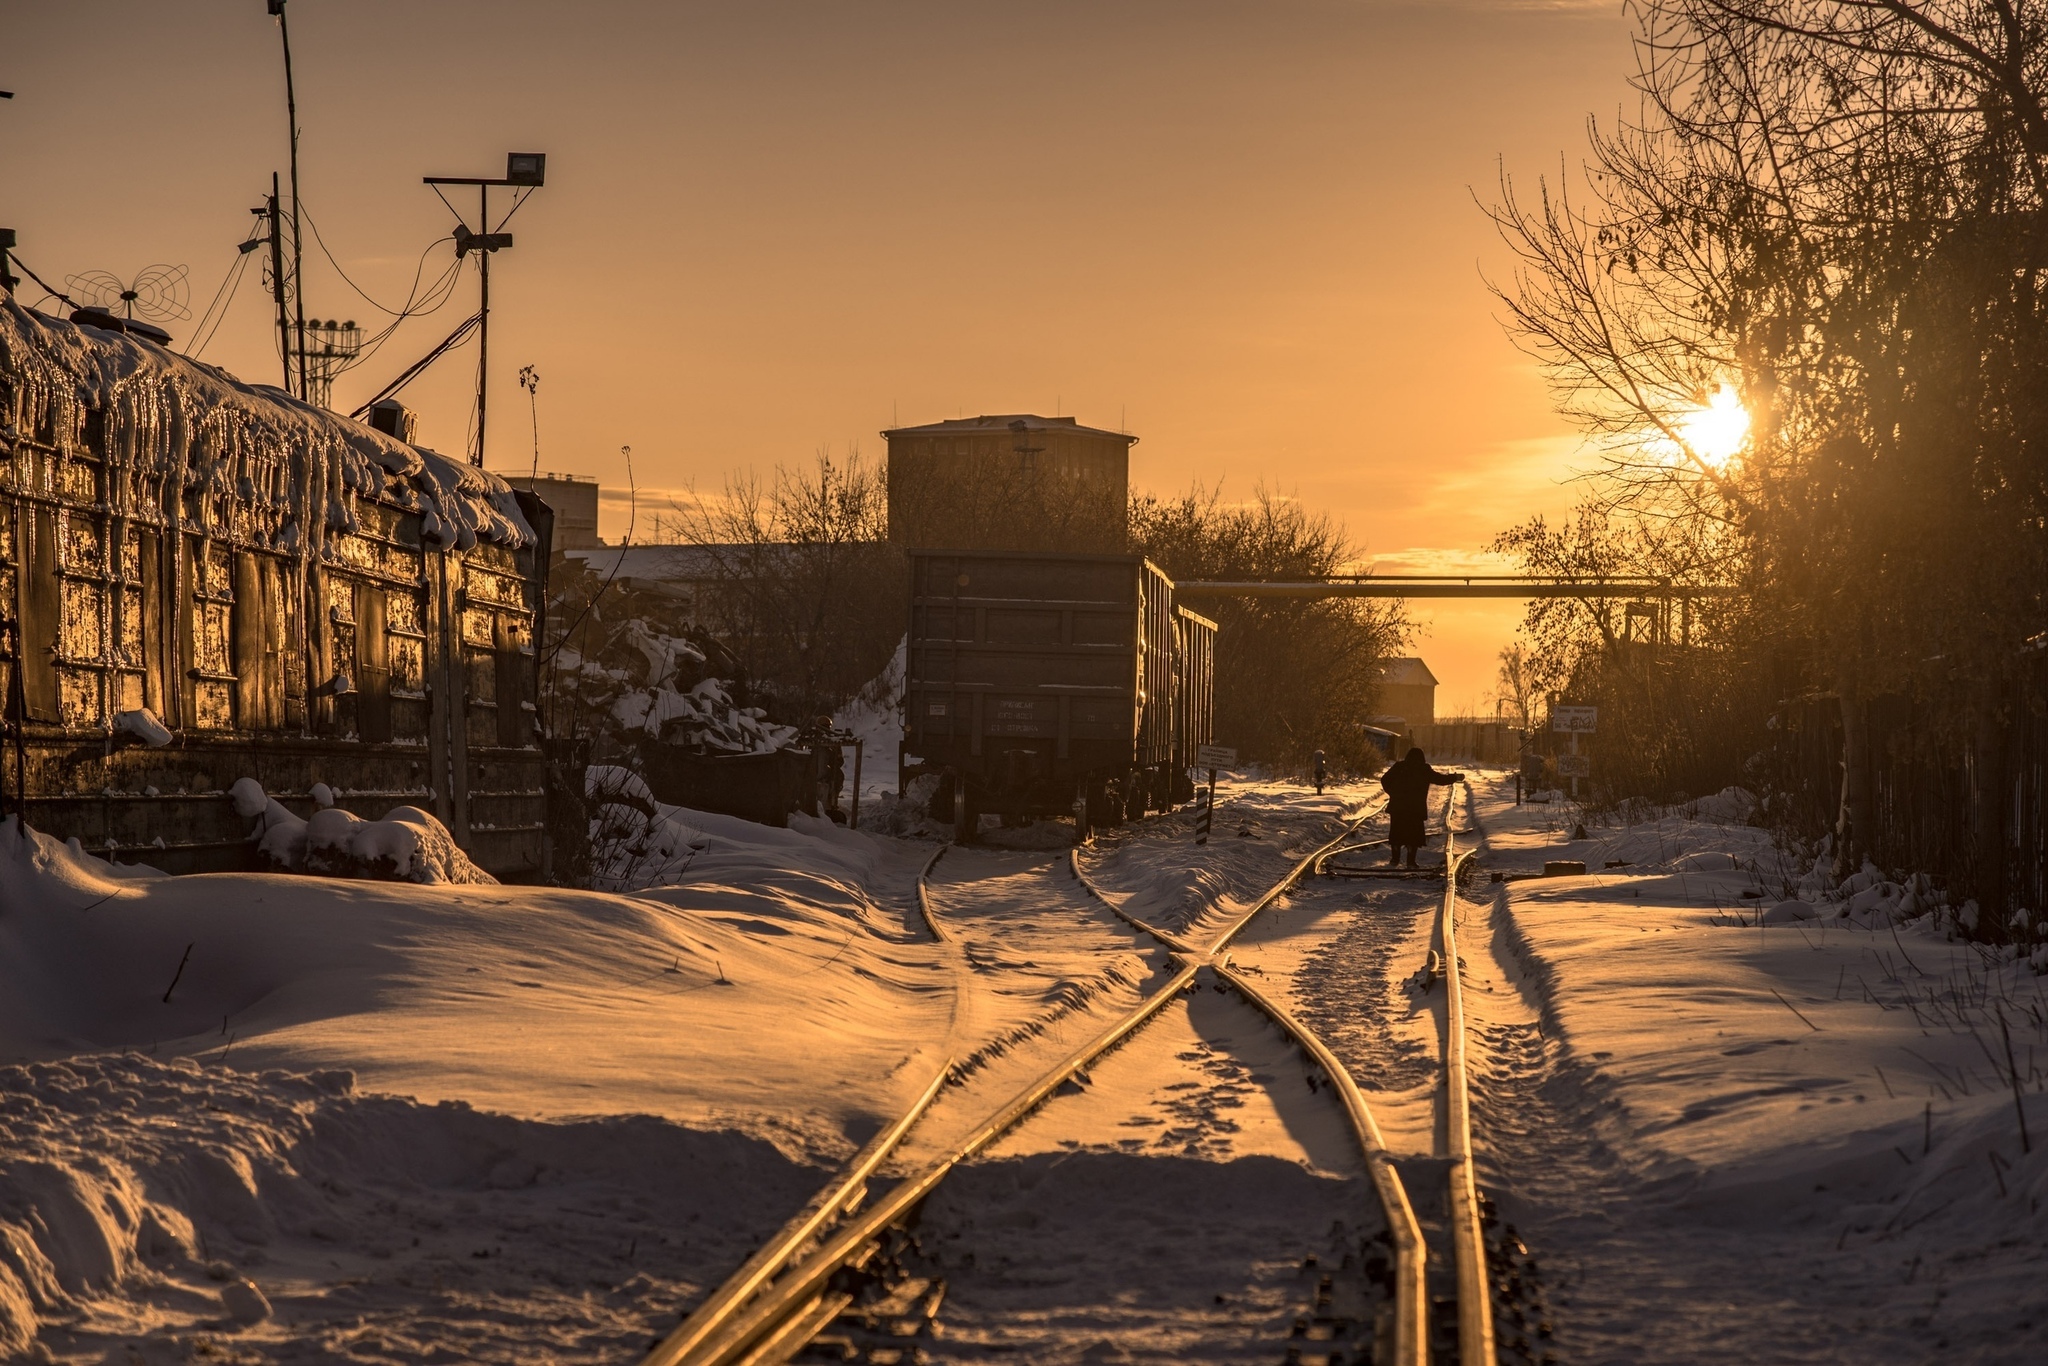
526, 168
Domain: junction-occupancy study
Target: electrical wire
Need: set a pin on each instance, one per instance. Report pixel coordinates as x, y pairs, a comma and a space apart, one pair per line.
53, 293
412, 296
439, 293
230, 283
412, 371
519, 197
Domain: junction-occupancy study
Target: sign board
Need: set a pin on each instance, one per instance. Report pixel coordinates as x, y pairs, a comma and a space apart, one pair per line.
1574, 720
1215, 756
1574, 765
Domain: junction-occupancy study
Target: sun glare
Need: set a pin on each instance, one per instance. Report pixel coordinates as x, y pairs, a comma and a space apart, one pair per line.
1716, 432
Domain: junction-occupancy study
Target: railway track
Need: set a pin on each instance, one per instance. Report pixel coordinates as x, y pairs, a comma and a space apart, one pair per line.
842, 1255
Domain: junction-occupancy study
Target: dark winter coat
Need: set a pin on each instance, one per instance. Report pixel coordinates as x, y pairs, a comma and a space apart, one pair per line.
1407, 784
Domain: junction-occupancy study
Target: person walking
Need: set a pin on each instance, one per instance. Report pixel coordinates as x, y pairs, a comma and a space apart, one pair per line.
1408, 783
1317, 759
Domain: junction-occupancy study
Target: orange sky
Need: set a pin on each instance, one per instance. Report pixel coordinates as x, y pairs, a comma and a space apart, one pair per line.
1244, 230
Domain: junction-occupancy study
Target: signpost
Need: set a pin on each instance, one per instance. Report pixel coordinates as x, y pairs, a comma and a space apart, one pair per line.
1575, 721
1211, 757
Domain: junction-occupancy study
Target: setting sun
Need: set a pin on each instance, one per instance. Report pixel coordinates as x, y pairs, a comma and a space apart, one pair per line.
1716, 432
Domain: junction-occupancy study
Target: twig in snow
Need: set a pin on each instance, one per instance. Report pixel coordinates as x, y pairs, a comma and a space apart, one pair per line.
721, 979
2013, 1069
1996, 1174
1887, 1084
1927, 1131
1902, 951
178, 974
1794, 1009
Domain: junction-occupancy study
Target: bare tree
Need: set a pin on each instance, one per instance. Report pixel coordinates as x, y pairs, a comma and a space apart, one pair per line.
800, 582
1516, 685
1834, 206
1291, 676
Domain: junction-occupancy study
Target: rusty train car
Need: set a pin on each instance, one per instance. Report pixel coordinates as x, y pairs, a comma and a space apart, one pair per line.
1042, 684
206, 580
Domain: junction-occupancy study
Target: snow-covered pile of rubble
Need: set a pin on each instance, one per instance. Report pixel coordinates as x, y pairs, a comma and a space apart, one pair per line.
672, 699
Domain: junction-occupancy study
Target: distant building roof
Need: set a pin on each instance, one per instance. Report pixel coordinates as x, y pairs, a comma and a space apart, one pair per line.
991, 423
668, 568
1407, 671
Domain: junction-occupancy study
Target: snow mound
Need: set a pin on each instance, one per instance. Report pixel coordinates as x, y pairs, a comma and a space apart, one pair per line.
638, 843
142, 723
1786, 912
407, 845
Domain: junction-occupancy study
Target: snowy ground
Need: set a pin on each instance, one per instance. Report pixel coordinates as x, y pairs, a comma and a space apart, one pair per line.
488, 1123
1743, 1140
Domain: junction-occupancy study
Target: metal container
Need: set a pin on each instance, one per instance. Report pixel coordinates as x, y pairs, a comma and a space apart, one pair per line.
755, 787
1046, 684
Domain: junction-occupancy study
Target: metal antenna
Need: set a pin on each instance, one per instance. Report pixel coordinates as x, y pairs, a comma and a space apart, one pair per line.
291, 107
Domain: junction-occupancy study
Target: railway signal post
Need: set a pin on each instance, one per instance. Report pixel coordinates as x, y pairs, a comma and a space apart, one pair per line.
1574, 722
1211, 757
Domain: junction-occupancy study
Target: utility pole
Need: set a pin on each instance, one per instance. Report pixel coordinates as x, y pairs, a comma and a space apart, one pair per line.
483, 327
524, 170
291, 106
284, 327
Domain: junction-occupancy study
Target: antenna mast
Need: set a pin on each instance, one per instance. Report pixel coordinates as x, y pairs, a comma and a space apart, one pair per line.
291, 106
284, 326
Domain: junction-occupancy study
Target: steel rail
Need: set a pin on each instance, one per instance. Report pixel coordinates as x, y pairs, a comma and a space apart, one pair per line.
1323, 863
1411, 1257
797, 1292
1468, 1246
1181, 945
750, 1320
924, 901
1281, 888
1166, 937
779, 1251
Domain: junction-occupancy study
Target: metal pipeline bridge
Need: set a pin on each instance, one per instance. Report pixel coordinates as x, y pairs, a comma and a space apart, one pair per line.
1454, 586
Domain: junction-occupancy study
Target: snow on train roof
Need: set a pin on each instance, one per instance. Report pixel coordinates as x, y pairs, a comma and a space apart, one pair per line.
167, 416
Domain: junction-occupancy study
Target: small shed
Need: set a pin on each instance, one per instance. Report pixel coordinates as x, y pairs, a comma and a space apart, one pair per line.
1408, 690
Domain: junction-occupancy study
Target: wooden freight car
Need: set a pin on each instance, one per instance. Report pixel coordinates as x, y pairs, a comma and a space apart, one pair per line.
207, 580
1049, 685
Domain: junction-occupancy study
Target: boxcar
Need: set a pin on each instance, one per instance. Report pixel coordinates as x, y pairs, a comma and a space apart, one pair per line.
206, 580
1044, 684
